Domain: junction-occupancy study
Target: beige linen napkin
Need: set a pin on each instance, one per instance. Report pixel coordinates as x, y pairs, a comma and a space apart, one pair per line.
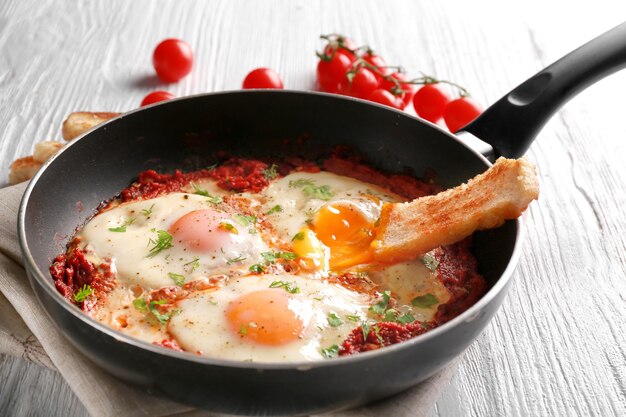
27, 332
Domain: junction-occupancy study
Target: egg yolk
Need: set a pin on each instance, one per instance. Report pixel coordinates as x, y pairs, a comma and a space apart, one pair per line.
205, 230
265, 318
347, 232
312, 253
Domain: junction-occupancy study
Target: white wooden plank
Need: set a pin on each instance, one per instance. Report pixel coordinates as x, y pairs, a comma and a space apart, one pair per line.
557, 345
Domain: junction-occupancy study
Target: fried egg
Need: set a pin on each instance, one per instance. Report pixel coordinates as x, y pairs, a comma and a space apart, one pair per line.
153, 243
268, 318
280, 296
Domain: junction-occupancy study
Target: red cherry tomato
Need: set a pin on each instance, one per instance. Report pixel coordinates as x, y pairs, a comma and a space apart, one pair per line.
430, 101
262, 78
332, 73
408, 89
172, 60
348, 45
362, 85
460, 112
156, 96
383, 96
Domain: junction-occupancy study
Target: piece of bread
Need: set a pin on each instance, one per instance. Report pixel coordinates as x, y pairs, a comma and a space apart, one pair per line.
44, 150
78, 123
410, 229
23, 169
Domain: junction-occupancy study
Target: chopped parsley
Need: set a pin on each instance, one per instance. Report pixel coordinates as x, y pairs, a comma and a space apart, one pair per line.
290, 287
353, 317
271, 257
276, 209
215, 199
430, 262
309, 189
245, 220
229, 228
330, 352
271, 172
199, 191
239, 258
298, 236
147, 212
82, 294
425, 301
177, 278
406, 318
122, 228
257, 268
162, 242
195, 263
381, 306
365, 329
144, 307
334, 320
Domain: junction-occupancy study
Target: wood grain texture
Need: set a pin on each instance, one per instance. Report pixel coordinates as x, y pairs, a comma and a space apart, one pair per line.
557, 347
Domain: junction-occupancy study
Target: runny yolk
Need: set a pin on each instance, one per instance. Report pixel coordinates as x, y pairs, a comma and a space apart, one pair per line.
264, 317
348, 234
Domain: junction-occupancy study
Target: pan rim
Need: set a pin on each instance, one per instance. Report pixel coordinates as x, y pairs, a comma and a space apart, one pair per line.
45, 283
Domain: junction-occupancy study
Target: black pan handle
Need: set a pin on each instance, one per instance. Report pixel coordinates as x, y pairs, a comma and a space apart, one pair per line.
511, 124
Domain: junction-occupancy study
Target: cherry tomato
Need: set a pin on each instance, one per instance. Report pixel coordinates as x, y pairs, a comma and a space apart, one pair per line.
347, 43
407, 89
383, 96
156, 96
430, 101
460, 112
362, 85
331, 74
262, 78
172, 60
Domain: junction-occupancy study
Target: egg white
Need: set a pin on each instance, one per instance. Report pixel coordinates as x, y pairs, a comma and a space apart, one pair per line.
129, 251
201, 325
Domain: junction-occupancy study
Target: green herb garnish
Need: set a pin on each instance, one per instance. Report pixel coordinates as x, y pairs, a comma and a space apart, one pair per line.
162, 318
330, 352
257, 268
365, 329
271, 172
177, 278
276, 209
425, 301
199, 191
430, 262
334, 320
82, 294
290, 287
406, 318
239, 258
147, 212
298, 236
162, 242
309, 189
122, 228
381, 306
353, 317
271, 257
229, 228
215, 199
195, 263
141, 305
245, 220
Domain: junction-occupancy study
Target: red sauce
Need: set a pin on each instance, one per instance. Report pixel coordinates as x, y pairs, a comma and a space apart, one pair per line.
73, 271
457, 266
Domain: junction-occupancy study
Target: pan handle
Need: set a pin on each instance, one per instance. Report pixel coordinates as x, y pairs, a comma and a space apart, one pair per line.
511, 124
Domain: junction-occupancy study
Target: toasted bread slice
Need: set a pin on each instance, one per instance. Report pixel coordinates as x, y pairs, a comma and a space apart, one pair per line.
78, 123
410, 229
44, 150
23, 169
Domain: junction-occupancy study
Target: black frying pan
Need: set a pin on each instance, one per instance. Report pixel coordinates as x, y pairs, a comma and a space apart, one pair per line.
186, 133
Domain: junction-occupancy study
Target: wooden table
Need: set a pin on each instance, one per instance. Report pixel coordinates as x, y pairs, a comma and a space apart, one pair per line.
557, 346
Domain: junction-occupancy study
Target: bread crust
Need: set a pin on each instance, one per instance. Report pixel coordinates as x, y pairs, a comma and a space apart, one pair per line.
410, 229
23, 169
78, 123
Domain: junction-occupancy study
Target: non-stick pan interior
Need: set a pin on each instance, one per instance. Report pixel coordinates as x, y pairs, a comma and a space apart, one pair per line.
189, 133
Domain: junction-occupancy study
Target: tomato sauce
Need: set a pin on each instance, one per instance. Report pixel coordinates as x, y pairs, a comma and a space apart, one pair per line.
457, 268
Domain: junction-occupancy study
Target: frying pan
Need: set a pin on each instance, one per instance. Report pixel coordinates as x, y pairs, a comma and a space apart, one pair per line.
186, 133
